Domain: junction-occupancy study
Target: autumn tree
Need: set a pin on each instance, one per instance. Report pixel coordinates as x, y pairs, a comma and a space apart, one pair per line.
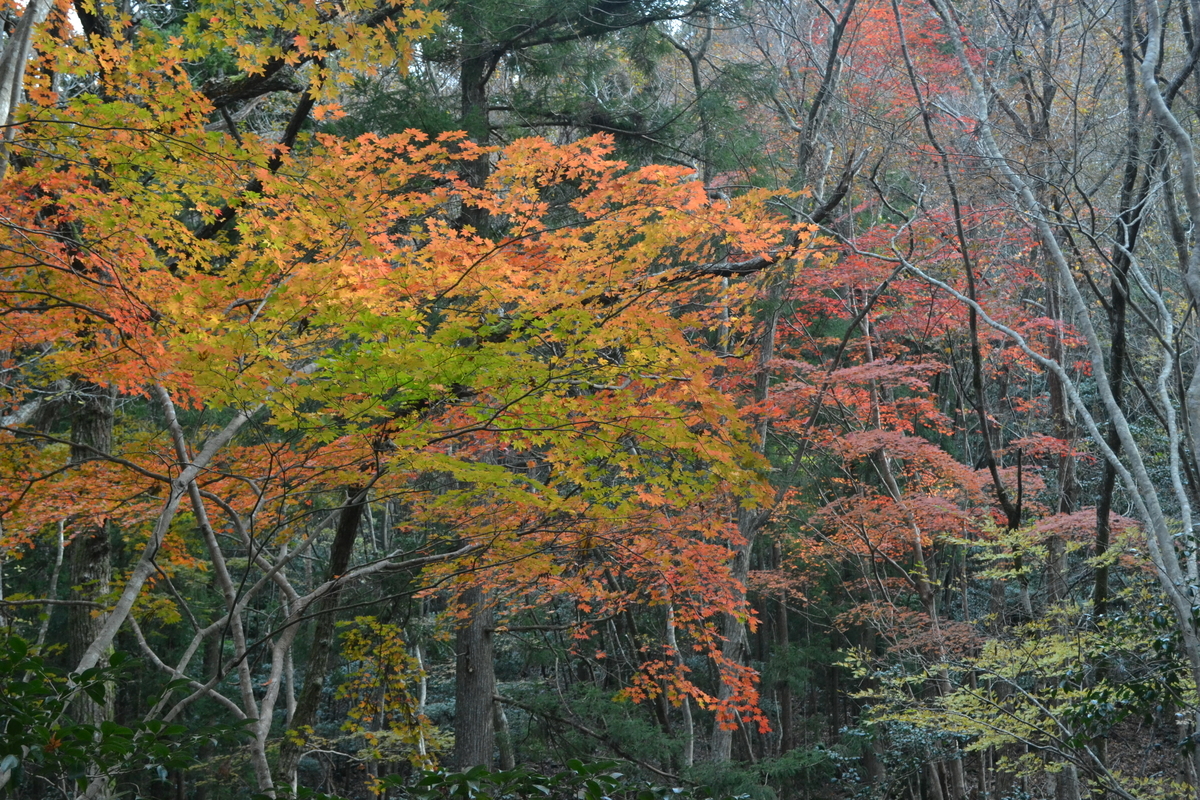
307, 323
870, 103
986, 110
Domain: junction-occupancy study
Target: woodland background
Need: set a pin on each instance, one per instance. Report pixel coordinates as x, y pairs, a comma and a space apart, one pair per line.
795, 398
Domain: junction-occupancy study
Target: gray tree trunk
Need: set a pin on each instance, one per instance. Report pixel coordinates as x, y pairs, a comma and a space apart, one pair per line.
321, 652
475, 684
90, 552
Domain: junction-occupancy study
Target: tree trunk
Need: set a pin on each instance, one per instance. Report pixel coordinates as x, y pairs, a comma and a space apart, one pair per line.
786, 734
90, 551
504, 741
1066, 783
475, 684
749, 521
933, 782
733, 629
317, 670
688, 758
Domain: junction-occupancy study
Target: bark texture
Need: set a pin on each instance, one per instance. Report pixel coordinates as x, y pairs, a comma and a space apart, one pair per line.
475, 684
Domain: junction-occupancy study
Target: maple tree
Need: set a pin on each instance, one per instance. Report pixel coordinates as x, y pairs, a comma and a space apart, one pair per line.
309, 321
325, 339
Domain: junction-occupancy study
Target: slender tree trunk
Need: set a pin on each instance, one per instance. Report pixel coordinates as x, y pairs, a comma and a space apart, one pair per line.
90, 556
51, 589
504, 740
1065, 429
316, 671
749, 522
933, 782
1130, 224
734, 648
14, 58
786, 725
689, 728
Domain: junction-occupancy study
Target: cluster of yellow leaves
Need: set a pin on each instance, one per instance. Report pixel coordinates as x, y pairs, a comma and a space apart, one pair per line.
383, 689
1053, 685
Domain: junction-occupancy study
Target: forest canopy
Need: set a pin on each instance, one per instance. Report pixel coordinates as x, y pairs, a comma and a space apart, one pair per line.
666, 398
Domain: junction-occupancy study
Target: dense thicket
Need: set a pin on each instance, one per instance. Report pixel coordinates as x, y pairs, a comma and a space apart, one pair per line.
790, 398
